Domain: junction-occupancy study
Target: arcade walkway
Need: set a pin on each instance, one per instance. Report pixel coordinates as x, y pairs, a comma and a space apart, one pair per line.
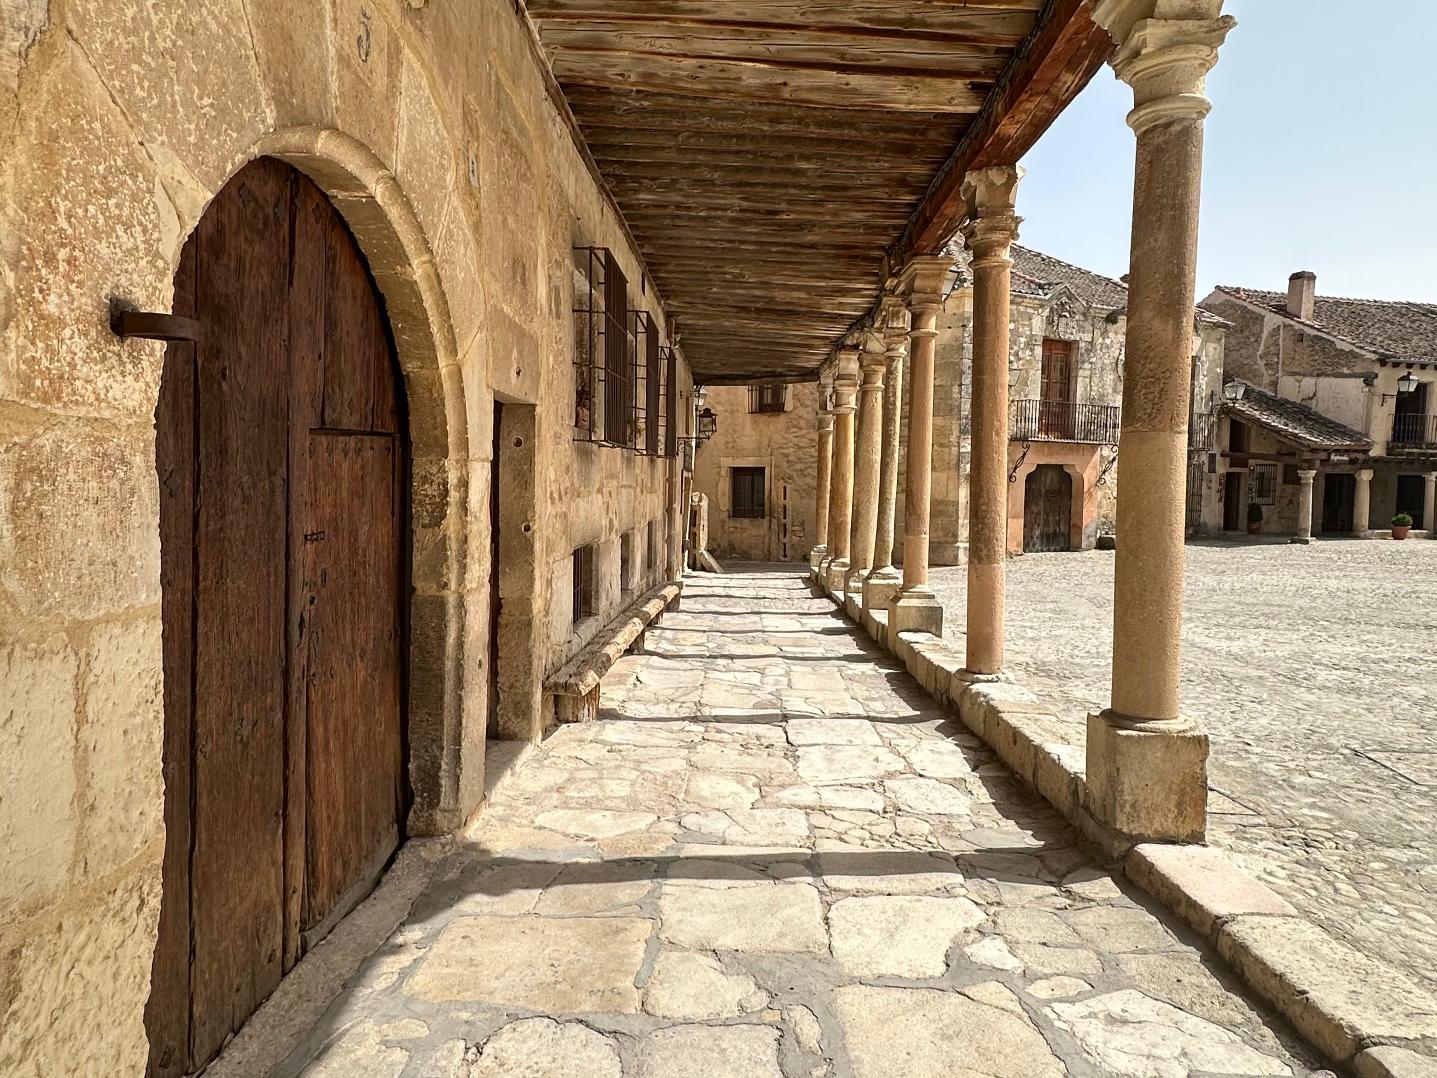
770, 856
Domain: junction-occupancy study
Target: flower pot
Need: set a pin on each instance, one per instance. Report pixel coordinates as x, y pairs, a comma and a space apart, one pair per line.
1399, 531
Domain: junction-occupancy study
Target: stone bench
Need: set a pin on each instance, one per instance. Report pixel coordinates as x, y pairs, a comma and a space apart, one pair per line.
574, 687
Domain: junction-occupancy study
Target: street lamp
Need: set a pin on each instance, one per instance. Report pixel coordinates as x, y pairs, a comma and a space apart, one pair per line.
708, 424
1407, 383
1233, 391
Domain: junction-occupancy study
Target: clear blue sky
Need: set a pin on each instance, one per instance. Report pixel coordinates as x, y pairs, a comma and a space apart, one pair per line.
1321, 155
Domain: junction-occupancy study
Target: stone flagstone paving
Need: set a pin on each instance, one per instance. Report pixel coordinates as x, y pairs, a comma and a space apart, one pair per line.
773, 856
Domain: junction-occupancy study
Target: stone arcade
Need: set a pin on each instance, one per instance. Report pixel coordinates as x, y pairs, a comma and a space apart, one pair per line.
348, 355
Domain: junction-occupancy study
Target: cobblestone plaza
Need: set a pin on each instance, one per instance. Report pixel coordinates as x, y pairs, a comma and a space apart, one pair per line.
1314, 670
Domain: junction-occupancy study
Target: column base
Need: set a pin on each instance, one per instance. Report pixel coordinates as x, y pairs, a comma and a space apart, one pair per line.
915, 610
815, 558
1147, 781
879, 588
833, 574
1301, 540
853, 585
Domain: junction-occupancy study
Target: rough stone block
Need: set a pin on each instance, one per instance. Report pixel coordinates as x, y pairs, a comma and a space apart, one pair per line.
919, 612
1337, 997
1389, 1061
1201, 885
1148, 780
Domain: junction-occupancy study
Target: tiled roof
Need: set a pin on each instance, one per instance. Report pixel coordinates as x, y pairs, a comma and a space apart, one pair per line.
1296, 423
1389, 329
1037, 274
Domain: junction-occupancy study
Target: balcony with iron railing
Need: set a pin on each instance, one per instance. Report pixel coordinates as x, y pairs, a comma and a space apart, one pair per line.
1064, 421
1414, 431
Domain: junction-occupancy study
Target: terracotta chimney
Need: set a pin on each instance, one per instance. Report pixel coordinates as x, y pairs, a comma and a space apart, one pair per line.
1302, 294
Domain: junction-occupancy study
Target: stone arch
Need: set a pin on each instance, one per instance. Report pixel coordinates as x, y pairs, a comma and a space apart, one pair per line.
373, 204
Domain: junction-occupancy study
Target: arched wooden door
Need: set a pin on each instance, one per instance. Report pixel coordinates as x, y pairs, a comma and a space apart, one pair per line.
1047, 509
281, 455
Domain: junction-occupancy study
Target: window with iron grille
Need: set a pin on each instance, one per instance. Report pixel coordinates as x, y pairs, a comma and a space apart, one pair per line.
747, 486
653, 388
589, 263
1262, 484
671, 402
583, 583
619, 356
767, 397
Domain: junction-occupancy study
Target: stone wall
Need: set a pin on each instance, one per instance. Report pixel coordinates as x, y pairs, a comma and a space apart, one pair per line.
431, 127
785, 446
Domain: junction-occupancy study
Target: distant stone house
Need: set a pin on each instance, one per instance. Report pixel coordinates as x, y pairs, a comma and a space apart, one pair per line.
1340, 396
1065, 387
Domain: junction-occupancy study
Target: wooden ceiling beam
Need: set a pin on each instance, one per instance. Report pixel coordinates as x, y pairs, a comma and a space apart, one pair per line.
749, 80
1051, 67
680, 159
607, 141
848, 15
993, 31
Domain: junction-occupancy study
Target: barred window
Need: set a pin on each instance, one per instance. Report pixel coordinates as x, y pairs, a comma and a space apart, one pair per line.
747, 493
767, 397
1262, 484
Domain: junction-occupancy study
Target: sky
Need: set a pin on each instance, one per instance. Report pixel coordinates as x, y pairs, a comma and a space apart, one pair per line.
1321, 155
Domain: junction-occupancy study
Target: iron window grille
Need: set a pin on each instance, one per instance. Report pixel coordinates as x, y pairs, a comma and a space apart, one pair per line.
604, 353
670, 401
648, 384
746, 502
1262, 484
767, 397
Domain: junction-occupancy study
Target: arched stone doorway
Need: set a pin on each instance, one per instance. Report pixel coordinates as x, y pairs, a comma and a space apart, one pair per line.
1047, 509
282, 453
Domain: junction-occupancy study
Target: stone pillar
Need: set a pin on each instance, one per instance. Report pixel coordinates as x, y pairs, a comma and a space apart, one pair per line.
840, 492
1429, 505
884, 580
915, 608
866, 450
825, 474
989, 231
1362, 503
1147, 765
1305, 477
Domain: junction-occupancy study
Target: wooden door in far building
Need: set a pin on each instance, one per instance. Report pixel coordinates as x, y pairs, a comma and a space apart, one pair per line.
1047, 509
1338, 492
1055, 408
281, 463
1234, 501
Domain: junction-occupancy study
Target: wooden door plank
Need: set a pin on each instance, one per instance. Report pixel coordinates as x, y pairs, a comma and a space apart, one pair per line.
237, 869
167, 1012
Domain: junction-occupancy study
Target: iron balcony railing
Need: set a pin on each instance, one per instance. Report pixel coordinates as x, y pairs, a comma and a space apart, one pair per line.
1414, 431
1064, 421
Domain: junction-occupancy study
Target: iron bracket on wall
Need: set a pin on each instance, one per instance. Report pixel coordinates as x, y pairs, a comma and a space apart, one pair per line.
152, 325
1109, 466
1013, 475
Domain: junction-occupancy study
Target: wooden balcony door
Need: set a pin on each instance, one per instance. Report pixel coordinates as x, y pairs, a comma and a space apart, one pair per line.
281, 453
1055, 408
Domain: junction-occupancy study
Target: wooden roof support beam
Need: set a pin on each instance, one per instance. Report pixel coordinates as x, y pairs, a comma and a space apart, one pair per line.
1057, 60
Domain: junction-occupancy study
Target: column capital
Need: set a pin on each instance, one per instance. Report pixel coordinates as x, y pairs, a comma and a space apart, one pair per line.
1165, 50
1306, 475
824, 424
1364, 475
845, 381
990, 226
920, 283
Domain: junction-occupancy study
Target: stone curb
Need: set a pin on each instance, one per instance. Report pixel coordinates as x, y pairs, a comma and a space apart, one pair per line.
1357, 1011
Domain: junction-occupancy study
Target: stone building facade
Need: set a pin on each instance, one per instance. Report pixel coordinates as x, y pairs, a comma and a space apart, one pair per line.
757, 471
433, 130
1063, 429
1337, 430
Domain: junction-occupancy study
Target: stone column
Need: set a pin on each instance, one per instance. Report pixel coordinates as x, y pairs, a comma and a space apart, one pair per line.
840, 493
1362, 502
884, 580
825, 474
1429, 505
989, 232
915, 608
1305, 477
867, 447
1147, 765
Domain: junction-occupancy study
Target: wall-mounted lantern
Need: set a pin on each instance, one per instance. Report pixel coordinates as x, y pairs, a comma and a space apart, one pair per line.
708, 424
1233, 391
1407, 383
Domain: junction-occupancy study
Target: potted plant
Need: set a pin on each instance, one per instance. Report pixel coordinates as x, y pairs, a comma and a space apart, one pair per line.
1401, 525
1254, 518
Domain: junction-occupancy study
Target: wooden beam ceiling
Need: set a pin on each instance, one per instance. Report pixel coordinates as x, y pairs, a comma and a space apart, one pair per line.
768, 154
